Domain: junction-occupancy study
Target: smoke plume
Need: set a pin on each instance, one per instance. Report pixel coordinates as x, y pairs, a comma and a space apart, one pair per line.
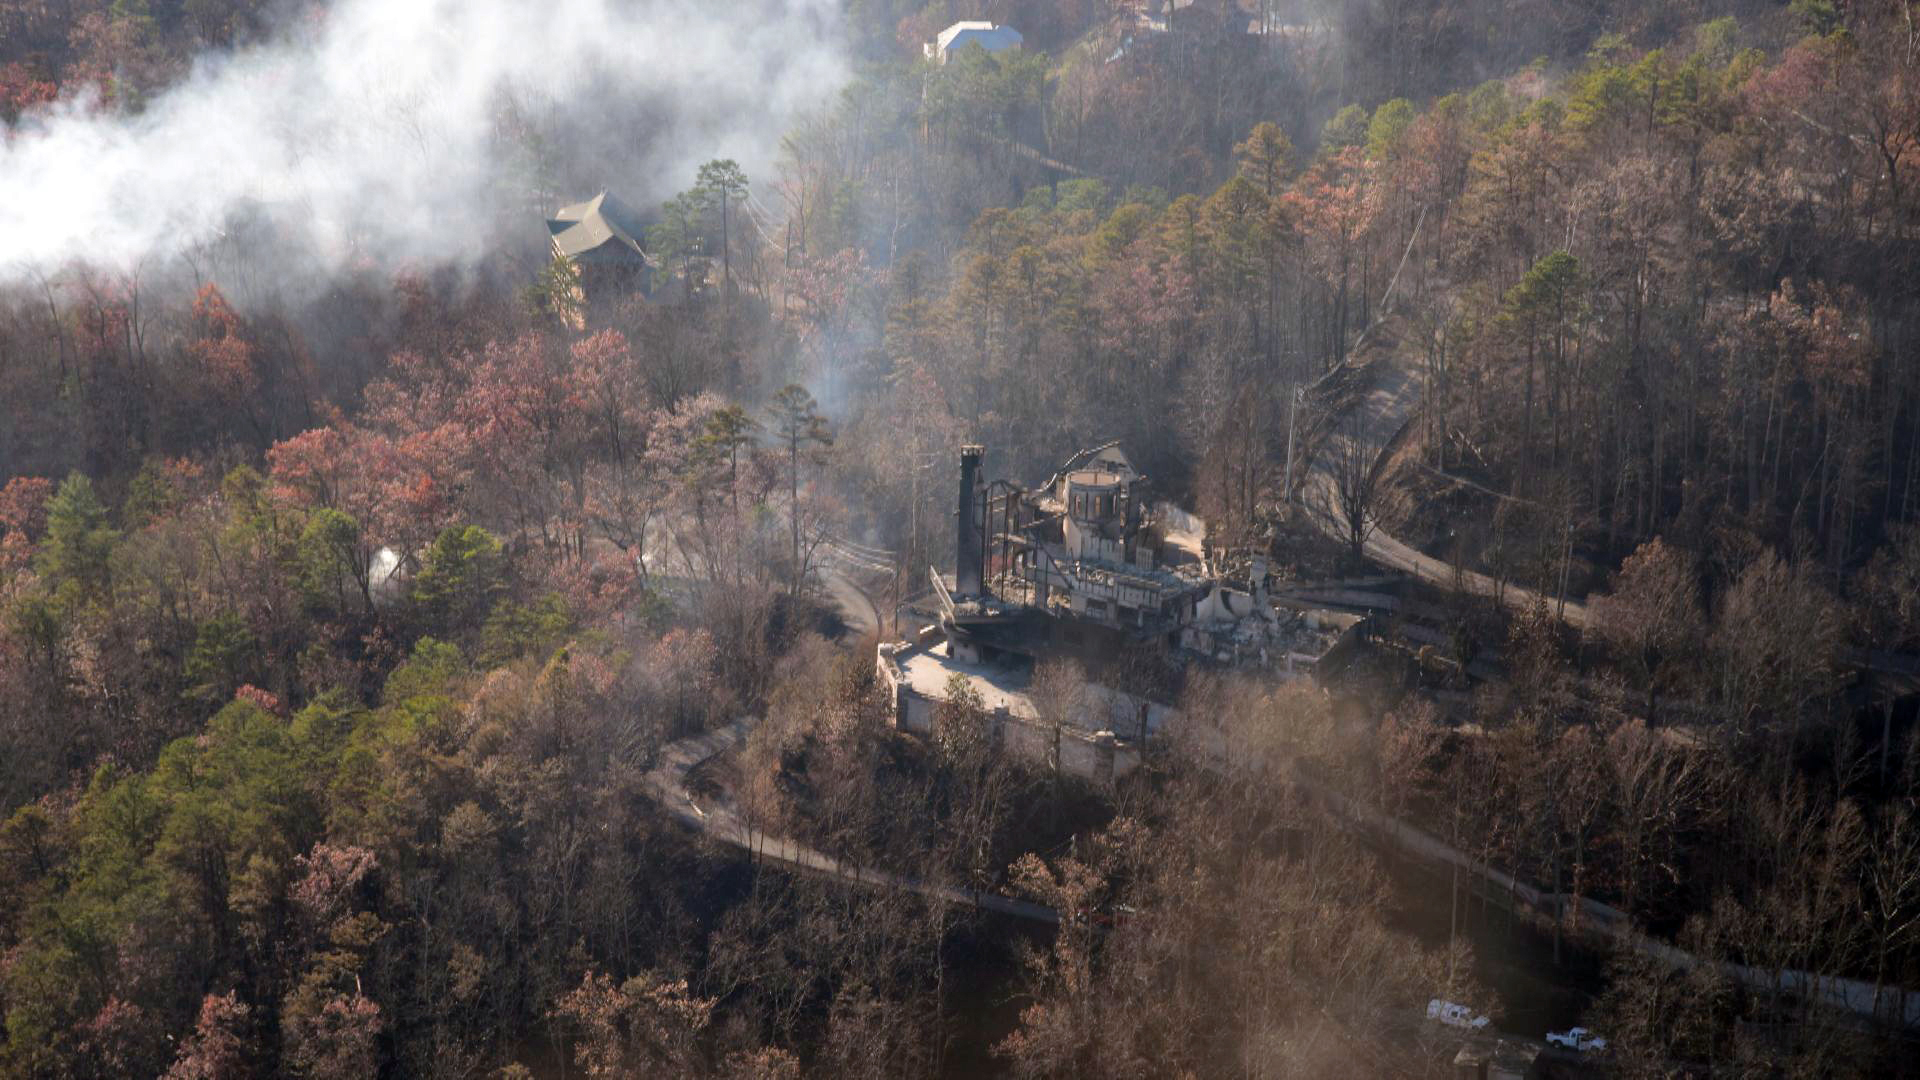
390, 132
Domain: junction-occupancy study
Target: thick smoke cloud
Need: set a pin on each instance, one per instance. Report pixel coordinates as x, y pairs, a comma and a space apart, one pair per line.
389, 132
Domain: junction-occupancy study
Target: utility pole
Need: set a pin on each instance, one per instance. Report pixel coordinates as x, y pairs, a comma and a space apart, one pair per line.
913, 542
1293, 403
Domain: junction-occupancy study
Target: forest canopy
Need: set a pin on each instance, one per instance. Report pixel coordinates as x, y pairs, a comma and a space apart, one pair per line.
381, 640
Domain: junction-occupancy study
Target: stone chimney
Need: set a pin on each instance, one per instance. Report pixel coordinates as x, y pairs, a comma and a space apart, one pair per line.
968, 547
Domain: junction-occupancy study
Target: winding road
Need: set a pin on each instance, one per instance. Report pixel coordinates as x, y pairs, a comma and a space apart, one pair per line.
667, 783
1392, 385
837, 572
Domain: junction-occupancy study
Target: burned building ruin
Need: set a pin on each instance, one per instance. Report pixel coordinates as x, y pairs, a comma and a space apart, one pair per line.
1090, 564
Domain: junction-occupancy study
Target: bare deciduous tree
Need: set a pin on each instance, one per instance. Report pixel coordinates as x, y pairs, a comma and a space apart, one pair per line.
1351, 462
1652, 616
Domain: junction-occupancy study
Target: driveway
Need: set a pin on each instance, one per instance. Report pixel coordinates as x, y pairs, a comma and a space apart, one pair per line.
667, 783
1392, 384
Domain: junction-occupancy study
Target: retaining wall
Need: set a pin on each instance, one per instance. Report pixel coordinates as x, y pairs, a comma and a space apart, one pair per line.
1100, 757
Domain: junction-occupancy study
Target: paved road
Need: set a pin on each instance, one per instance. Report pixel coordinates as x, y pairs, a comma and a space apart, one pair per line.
1393, 389
856, 607
667, 783
1394, 385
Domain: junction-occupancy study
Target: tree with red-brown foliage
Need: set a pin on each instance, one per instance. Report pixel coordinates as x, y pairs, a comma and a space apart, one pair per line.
218, 1048
1335, 202
646, 1024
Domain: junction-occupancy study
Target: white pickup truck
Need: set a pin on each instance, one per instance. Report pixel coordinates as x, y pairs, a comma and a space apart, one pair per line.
1446, 1012
1579, 1040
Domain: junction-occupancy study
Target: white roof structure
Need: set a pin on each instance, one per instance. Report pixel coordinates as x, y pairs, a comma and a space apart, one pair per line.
961, 34
928, 673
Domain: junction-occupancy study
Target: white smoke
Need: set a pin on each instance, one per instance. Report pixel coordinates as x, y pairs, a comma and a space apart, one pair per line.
372, 129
